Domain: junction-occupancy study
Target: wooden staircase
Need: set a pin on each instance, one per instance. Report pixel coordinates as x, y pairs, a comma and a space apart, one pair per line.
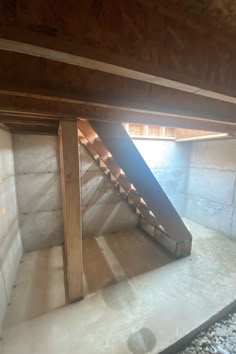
147, 218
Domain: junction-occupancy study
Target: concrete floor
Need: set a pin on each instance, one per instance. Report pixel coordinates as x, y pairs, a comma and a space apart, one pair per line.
39, 286
146, 308
118, 256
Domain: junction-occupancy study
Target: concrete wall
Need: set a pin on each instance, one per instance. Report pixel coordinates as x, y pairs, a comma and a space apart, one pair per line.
39, 194
38, 190
169, 162
104, 210
211, 192
10, 240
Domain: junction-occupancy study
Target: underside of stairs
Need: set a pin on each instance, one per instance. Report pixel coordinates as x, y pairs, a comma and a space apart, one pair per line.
110, 145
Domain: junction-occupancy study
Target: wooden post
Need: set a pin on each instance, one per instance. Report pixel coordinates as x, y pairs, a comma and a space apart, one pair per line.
70, 180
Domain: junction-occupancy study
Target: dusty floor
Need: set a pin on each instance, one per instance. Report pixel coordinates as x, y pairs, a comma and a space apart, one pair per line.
138, 313
39, 285
119, 256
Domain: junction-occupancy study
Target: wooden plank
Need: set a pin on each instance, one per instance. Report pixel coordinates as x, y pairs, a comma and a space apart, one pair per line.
30, 120
70, 178
133, 195
32, 129
70, 52
100, 149
193, 135
143, 208
187, 133
113, 167
124, 183
78, 85
73, 59
66, 109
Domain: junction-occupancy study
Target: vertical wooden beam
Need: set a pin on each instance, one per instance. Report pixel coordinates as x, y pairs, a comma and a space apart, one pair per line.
70, 180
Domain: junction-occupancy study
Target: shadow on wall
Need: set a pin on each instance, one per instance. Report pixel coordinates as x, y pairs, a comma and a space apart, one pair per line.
106, 218
103, 209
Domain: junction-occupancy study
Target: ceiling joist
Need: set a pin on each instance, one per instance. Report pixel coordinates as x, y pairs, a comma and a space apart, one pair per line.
46, 81
138, 61
71, 53
54, 108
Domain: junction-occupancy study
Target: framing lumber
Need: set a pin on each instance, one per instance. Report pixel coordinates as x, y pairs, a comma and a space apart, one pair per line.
166, 103
192, 135
63, 56
22, 106
70, 179
30, 120
32, 129
46, 106
47, 83
25, 76
70, 52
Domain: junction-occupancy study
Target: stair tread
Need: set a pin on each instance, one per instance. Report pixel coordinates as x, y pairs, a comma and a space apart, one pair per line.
144, 209
124, 182
133, 194
87, 130
113, 167
100, 149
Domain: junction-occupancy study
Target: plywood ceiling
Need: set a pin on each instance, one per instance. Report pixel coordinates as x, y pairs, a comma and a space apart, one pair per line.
224, 11
20, 12
221, 12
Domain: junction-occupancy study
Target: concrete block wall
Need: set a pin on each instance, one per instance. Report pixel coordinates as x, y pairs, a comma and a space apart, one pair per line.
10, 240
169, 162
211, 192
39, 194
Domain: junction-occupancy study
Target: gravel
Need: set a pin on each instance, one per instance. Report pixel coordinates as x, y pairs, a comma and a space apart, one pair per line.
220, 338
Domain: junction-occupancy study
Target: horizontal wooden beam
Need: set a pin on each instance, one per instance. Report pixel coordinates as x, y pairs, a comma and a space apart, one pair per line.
61, 55
22, 106
27, 124
32, 129
73, 53
186, 133
5, 114
24, 76
28, 121
218, 136
183, 135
